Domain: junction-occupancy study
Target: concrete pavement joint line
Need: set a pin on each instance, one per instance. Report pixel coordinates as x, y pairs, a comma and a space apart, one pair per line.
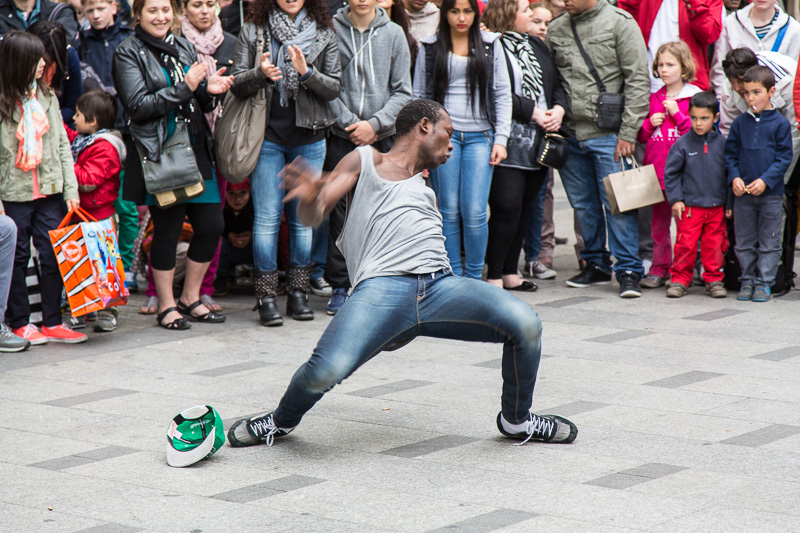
575, 300
268, 488
106, 394
762, 436
636, 475
620, 336
688, 378
111, 528
486, 522
425, 447
84, 458
778, 355
575, 408
232, 369
715, 315
397, 386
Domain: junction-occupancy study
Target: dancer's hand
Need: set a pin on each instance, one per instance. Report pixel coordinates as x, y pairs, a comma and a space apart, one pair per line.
270, 71
301, 181
298, 60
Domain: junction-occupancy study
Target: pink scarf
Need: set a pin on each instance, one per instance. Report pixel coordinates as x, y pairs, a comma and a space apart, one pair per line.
206, 43
33, 124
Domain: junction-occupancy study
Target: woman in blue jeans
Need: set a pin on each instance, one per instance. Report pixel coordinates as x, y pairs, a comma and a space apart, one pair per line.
300, 71
465, 70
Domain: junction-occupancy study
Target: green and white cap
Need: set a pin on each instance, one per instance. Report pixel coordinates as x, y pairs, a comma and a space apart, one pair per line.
196, 433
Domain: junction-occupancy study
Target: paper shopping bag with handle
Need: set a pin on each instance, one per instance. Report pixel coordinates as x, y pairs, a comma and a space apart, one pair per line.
632, 188
90, 263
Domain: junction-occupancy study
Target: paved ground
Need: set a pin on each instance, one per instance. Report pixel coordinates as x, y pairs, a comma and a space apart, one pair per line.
688, 416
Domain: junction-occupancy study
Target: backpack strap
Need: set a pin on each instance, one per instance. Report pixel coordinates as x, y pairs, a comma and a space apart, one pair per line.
781, 34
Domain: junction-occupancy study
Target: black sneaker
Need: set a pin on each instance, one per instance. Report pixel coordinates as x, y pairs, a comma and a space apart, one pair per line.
546, 428
255, 430
591, 275
629, 285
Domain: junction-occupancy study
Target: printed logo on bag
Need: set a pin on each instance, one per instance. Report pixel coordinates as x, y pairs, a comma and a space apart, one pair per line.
92, 234
72, 250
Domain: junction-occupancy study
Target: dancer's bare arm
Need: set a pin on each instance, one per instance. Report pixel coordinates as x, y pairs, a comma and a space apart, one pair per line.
318, 192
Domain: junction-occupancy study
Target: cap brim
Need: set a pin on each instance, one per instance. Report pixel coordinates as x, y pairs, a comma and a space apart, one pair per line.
179, 459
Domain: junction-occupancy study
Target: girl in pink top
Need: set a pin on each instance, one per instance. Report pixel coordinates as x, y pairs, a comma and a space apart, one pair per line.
668, 120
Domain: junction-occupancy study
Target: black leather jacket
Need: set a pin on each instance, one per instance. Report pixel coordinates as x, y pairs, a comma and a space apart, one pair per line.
147, 96
322, 86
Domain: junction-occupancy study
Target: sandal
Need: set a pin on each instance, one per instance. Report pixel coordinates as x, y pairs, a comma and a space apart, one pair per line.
150, 307
212, 317
209, 302
178, 323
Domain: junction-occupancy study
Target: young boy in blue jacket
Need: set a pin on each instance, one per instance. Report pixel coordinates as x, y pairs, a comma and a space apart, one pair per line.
757, 155
696, 186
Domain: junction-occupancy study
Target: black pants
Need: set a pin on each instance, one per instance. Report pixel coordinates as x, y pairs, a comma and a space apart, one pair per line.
335, 266
512, 191
207, 225
34, 219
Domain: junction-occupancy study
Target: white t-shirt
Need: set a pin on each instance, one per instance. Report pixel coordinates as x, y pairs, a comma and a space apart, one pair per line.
665, 30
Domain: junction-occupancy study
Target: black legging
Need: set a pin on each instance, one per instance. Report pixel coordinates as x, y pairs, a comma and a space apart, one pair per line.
512, 191
207, 224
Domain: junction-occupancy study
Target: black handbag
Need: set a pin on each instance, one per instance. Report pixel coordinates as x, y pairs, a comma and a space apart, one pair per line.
174, 178
553, 150
609, 105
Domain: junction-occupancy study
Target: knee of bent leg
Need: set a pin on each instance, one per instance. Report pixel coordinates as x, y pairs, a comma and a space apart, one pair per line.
526, 324
323, 373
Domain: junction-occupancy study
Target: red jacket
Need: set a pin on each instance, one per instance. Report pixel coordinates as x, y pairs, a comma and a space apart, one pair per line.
97, 170
699, 27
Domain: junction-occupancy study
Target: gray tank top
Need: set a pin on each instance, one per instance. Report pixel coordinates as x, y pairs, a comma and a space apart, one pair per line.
392, 227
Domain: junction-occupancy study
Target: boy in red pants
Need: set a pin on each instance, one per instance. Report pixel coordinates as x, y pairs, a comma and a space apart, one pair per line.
696, 186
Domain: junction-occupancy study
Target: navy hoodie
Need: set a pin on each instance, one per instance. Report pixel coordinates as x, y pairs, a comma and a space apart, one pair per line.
759, 146
695, 171
96, 48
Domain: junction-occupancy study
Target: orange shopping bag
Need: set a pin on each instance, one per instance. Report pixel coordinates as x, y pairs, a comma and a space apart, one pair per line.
90, 264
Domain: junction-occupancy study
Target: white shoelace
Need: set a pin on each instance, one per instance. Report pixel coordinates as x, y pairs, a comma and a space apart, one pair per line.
265, 429
538, 425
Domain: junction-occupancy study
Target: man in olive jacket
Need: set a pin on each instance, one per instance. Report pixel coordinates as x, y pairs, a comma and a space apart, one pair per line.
614, 43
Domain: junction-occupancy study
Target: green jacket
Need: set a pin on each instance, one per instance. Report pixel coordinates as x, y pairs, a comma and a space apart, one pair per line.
614, 43
56, 174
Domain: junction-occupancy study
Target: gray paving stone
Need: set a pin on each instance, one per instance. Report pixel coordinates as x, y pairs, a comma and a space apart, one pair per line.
397, 386
268, 488
566, 302
486, 522
653, 470
715, 315
70, 401
64, 462
109, 452
634, 476
429, 446
491, 363
620, 336
763, 436
111, 528
231, 369
680, 380
575, 408
778, 355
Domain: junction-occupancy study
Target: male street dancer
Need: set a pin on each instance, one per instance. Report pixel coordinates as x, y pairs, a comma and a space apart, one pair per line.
394, 249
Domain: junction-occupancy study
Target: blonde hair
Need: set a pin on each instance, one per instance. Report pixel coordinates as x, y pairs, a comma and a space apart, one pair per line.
679, 50
87, 3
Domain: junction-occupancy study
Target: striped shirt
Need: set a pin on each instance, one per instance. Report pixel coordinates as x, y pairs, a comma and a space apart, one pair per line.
762, 31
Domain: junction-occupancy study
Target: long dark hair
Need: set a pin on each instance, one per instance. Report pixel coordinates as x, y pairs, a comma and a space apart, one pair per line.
400, 17
54, 38
477, 63
20, 53
258, 12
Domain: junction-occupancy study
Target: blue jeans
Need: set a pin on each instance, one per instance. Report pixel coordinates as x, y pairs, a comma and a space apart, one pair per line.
385, 312
268, 204
462, 191
757, 222
533, 225
589, 162
319, 249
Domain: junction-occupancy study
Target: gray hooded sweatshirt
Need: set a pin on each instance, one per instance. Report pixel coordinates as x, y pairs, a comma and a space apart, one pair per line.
376, 73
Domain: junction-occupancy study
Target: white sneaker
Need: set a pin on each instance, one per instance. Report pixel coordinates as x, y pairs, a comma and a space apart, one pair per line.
535, 269
320, 287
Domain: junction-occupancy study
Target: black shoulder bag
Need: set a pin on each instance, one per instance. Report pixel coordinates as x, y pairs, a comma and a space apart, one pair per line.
609, 105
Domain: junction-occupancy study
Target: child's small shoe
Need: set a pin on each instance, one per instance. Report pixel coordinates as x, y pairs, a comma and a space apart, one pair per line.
106, 323
677, 290
745, 293
761, 294
716, 289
